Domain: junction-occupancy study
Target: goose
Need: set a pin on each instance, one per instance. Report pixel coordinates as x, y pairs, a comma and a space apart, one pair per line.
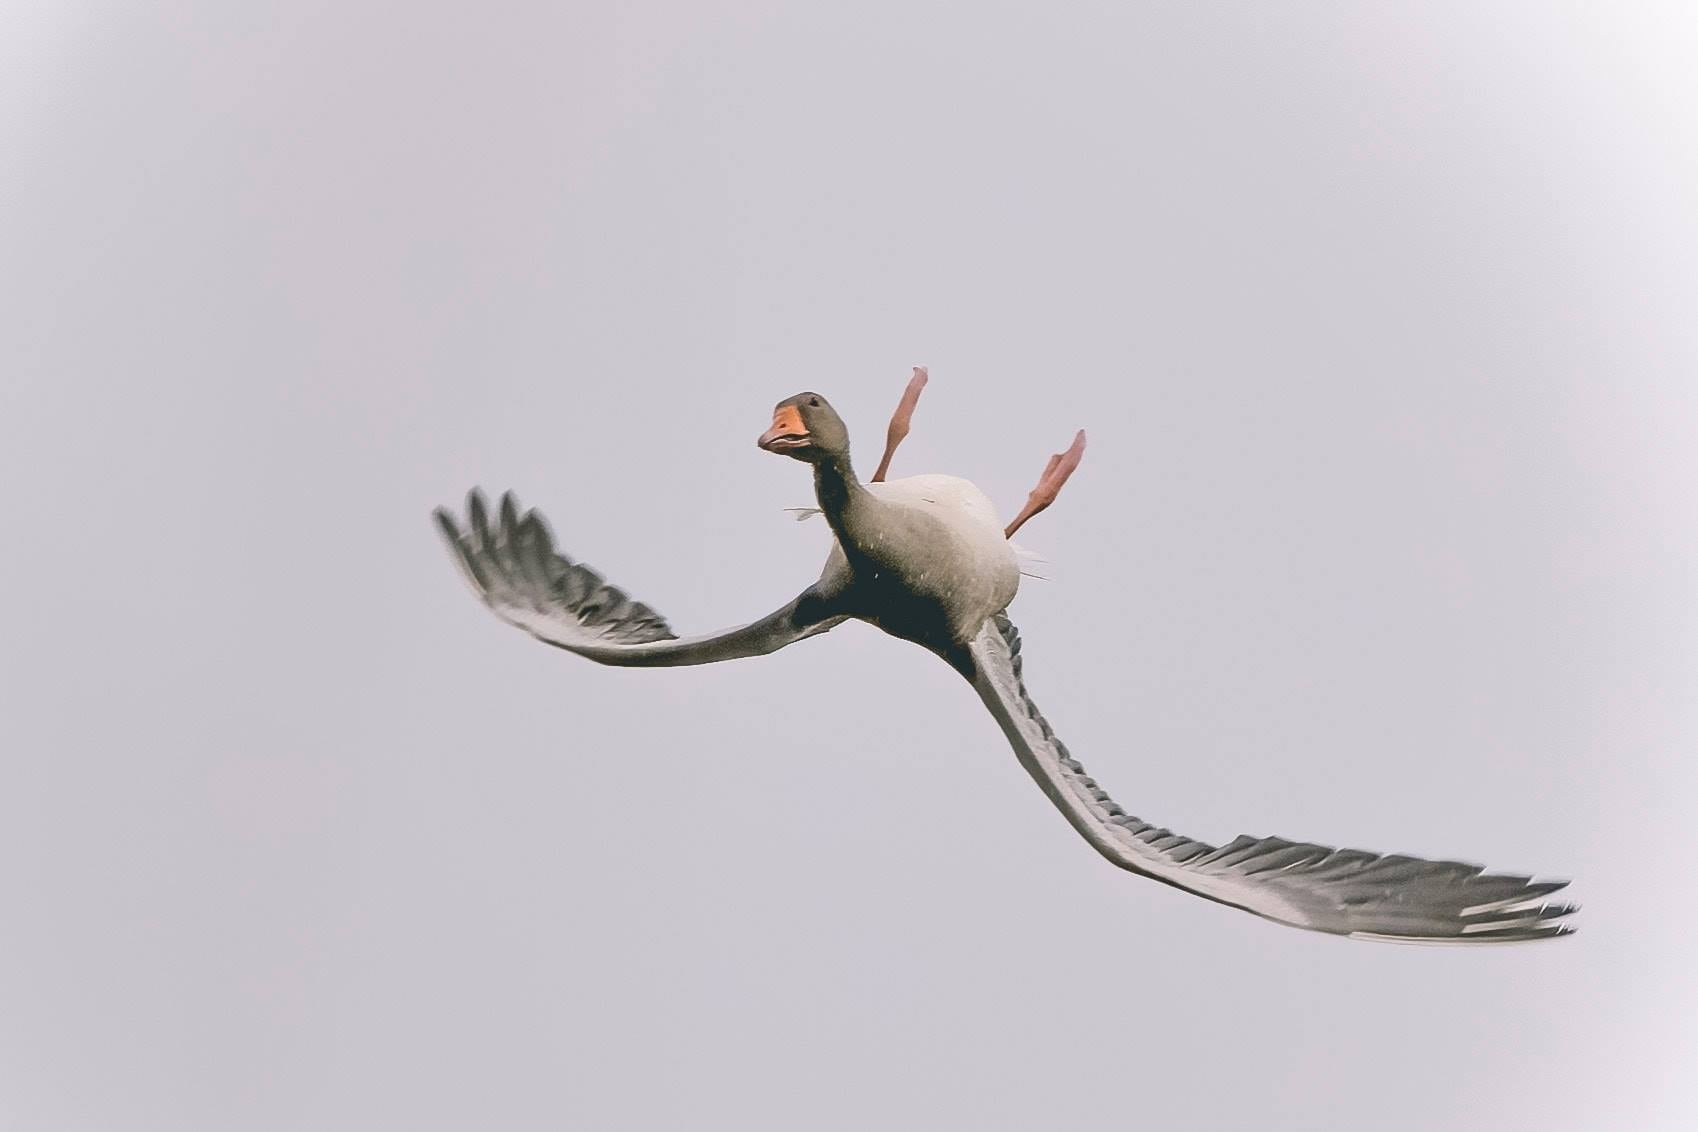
925, 559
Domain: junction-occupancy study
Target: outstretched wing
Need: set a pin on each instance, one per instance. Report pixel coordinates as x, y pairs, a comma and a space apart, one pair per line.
515, 569
1342, 891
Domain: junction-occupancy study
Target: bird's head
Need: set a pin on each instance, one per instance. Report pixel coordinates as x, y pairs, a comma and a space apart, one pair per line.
806, 427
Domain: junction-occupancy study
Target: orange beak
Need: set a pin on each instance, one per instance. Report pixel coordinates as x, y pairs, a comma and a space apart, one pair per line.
787, 433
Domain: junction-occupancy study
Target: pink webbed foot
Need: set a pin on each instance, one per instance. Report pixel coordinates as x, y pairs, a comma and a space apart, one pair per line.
1060, 466
899, 420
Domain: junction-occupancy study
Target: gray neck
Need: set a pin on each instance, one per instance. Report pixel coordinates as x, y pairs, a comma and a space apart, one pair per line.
846, 504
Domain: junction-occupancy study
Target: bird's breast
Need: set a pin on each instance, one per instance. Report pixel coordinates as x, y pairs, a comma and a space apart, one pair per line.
935, 555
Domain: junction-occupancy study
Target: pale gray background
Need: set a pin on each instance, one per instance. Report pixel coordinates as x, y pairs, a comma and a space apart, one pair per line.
1382, 321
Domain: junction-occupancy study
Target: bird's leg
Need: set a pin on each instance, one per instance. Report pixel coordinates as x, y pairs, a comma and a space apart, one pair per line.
899, 420
1060, 466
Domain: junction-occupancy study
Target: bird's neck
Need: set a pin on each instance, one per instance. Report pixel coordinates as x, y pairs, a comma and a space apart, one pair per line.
845, 502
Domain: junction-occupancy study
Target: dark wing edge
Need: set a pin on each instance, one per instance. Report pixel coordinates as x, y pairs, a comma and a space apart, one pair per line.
1347, 892
513, 566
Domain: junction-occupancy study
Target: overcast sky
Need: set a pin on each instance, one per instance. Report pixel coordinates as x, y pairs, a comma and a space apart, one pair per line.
1381, 321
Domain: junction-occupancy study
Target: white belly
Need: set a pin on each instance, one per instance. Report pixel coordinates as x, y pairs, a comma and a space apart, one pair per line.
949, 495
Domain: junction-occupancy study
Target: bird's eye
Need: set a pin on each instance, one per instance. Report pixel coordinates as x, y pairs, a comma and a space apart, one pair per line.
814, 402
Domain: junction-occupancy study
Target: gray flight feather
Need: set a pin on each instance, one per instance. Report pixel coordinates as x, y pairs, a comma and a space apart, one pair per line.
525, 581
1341, 891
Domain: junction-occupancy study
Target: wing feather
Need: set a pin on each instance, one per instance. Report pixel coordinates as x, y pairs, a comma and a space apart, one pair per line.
514, 567
1341, 891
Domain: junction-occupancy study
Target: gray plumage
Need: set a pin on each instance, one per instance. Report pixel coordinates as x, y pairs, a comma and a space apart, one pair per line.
1341, 891
925, 560
514, 567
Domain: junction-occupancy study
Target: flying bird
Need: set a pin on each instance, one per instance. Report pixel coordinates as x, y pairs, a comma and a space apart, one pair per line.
926, 560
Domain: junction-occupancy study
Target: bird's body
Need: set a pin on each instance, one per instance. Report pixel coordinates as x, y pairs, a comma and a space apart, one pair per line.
925, 560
